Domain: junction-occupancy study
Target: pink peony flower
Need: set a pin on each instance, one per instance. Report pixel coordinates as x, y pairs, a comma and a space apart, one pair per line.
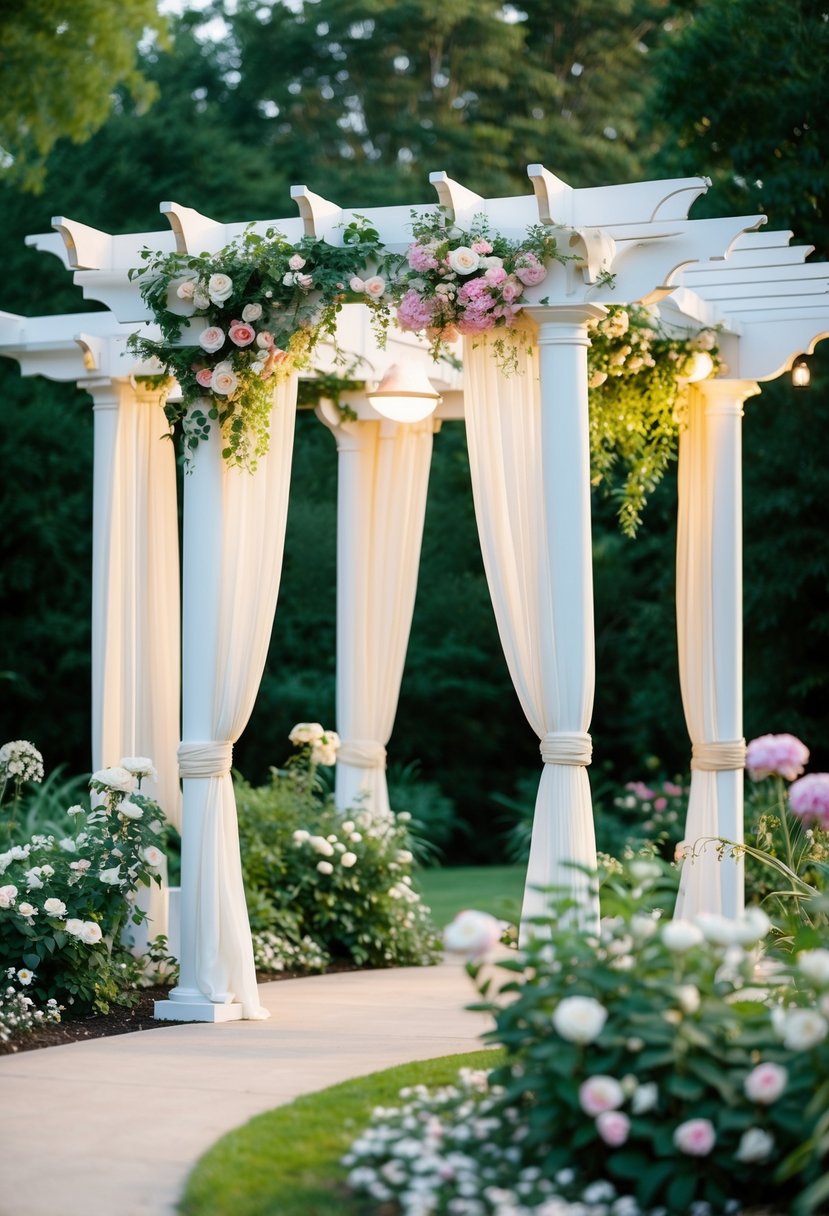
765, 1083
481, 246
695, 1137
809, 799
614, 1127
672, 789
495, 275
659, 804
511, 289
241, 334
776, 755
204, 377
600, 1093
529, 270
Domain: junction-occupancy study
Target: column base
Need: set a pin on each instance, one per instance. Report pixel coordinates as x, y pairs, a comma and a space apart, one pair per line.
196, 1011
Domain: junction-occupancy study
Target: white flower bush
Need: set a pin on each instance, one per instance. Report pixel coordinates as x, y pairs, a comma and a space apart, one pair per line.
19, 1012
643, 1073
64, 901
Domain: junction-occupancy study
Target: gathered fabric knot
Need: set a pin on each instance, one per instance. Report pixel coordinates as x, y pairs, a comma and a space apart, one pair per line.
362, 753
719, 757
572, 747
205, 759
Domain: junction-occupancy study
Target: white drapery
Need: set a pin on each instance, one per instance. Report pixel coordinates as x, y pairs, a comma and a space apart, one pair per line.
136, 612
530, 482
234, 534
383, 476
709, 633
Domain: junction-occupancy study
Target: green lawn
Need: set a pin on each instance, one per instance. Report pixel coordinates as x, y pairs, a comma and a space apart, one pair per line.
286, 1162
494, 889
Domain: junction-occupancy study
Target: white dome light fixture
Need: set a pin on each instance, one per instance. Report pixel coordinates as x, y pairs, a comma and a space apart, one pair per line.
405, 394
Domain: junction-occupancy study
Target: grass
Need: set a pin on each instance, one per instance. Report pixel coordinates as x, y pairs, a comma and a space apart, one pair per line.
494, 889
286, 1162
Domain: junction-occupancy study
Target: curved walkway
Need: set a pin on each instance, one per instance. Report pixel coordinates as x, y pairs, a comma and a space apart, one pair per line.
112, 1127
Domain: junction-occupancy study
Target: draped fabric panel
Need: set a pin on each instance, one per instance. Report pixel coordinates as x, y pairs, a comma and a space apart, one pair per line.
234, 539
382, 484
539, 582
709, 634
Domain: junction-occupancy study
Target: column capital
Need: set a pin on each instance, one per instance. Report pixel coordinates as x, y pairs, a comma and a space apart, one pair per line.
564, 324
106, 392
726, 396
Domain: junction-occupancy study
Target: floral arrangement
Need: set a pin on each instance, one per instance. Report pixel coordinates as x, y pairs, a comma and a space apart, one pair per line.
322, 887
637, 375
645, 1072
262, 305
64, 902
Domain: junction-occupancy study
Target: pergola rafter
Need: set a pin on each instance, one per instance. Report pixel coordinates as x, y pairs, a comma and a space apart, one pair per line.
627, 243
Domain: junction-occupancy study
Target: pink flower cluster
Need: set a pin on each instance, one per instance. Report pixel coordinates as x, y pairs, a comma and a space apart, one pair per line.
776, 755
809, 799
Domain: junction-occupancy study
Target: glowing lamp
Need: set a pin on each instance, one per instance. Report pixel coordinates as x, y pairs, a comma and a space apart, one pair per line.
801, 375
405, 394
700, 367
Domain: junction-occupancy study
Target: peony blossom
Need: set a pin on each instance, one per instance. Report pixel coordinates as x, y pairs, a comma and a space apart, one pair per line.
600, 1093
695, 1137
752, 926
809, 799
117, 778
463, 260
776, 755
241, 334
803, 1029
814, 965
472, 933
296, 261
765, 1083
717, 929
212, 339
614, 1127
530, 270
220, 288
681, 935
755, 1145
688, 997
225, 380
54, 907
579, 1019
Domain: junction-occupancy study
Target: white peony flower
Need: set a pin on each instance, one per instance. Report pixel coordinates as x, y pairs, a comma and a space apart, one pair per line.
579, 1019
130, 809
116, 778
472, 933
220, 288
463, 260
814, 965
717, 929
681, 935
803, 1028
54, 907
752, 926
755, 1145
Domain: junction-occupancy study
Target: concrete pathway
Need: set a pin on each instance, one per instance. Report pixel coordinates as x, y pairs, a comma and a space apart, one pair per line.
112, 1127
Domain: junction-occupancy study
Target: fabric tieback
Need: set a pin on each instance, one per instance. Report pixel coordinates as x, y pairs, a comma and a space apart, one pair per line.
571, 747
362, 753
205, 759
719, 757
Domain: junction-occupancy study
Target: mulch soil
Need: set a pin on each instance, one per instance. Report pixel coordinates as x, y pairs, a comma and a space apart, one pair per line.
119, 1020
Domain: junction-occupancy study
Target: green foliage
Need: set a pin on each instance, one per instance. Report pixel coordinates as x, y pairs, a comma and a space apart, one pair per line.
61, 64
344, 884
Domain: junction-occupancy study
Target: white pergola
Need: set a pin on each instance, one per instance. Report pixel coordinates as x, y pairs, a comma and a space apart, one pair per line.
529, 457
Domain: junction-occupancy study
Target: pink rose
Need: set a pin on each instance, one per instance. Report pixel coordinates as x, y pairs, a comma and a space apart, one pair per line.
530, 271
296, 261
204, 377
375, 286
773, 755
495, 275
614, 1127
511, 289
695, 1137
264, 340
765, 1083
212, 339
481, 246
659, 804
600, 1093
241, 334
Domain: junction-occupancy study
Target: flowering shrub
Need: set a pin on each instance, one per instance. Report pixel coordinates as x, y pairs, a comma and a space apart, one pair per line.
321, 887
637, 373
644, 1071
265, 304
467, 282
19, 1013
64, 901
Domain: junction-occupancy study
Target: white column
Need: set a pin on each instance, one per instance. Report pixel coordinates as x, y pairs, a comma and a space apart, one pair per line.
710, 636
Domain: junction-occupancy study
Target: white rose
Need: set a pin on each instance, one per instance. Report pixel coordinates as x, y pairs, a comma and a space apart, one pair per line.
212, 339
27, 909
472, 933
201, 299
348, 860
251, 312
463, 260
375, 286
681, 935
8, 895
357, 284
130, 809
139, 766
33, 882
814, 965
225, 380
755, 1145
490, 262
74, 927
752, 927
91, 932
220, 288
306, 732
112, 876
643, 927
717, 929
804, 1028
153, 856
765, 1083
325, 867
644, 1098
320, 845
296, 261
645, 871
54, 907
25, 976
117, 778
579, 1019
